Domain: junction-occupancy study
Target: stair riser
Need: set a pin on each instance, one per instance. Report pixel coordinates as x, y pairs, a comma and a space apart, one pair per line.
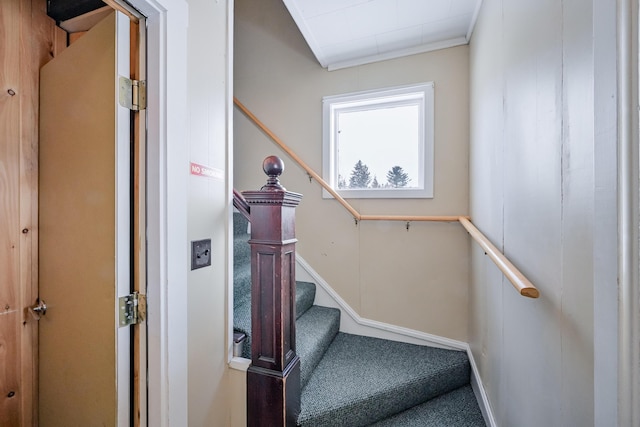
315, 332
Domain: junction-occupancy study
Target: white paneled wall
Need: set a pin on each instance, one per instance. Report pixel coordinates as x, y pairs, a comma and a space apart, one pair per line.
533, 192
207, 143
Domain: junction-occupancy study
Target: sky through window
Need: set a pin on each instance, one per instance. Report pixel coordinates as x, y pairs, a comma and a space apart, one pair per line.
381, 138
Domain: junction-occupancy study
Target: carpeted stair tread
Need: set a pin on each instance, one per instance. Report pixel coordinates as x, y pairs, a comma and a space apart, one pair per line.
315, 331
242, 323
241, 250
241, 286
361, 380
458, 408
305, 295
240, 224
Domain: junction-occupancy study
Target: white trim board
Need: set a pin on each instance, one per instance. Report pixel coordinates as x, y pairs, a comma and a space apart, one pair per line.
167, 22
229, 180
627, 198
480, 392
352, 323
430, 47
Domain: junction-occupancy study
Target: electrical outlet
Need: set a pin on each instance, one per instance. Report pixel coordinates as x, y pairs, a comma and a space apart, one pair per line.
200, 253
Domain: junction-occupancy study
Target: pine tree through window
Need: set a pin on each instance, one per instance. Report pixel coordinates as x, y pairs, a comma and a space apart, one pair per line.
379, 144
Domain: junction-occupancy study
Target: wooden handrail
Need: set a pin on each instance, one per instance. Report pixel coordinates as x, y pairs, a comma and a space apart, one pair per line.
241, 204
409, 218
519, 281
295, 157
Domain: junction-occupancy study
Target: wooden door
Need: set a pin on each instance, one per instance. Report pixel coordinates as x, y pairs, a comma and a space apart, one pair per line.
85, 255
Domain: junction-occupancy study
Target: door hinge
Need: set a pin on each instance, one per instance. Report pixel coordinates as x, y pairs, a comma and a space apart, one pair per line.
133, 309
133, 94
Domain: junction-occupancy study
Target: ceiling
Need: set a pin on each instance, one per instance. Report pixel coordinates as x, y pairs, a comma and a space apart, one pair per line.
346, 33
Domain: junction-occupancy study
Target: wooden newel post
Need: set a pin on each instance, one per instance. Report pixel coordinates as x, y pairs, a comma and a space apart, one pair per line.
273, 379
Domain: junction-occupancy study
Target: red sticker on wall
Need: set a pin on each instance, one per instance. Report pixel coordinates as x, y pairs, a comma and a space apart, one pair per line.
206, 171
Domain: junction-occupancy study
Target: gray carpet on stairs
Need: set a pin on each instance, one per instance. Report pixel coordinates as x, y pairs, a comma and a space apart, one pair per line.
240, 224
242, 281
305, 292
352, 381
315, 331
242, 323
458, 408
305, 295
241, 262
361, 380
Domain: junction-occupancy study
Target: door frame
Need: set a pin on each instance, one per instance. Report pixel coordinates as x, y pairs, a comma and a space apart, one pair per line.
628, 202
167, 267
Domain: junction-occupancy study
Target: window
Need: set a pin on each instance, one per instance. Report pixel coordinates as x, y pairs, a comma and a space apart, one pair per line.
379, 144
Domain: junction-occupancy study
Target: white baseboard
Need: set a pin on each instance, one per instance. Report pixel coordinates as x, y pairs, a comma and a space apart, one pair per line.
239, 363
479, 391
351, 322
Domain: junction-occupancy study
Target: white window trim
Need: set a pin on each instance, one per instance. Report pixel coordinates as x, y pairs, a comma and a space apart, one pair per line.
356, 100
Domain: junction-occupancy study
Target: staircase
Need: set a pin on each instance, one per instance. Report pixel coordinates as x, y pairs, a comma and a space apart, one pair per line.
351, 380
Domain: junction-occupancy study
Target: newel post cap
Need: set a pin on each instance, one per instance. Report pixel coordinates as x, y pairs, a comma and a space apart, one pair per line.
272, 193
273, 166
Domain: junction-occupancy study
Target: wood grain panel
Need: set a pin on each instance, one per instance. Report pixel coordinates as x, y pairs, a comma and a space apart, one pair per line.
26, 42
36, 49
9, 156
9, 375
138, 68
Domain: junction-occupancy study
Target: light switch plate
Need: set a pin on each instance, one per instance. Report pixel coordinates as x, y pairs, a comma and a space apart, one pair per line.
200, 253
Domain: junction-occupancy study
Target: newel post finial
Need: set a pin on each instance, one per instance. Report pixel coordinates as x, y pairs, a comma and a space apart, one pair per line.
273, 166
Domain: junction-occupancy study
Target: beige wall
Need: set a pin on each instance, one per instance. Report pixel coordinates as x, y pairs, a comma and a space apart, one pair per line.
206, 142
416, 278
536, 190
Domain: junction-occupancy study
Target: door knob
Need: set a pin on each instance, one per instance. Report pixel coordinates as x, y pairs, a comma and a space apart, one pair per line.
38, 309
